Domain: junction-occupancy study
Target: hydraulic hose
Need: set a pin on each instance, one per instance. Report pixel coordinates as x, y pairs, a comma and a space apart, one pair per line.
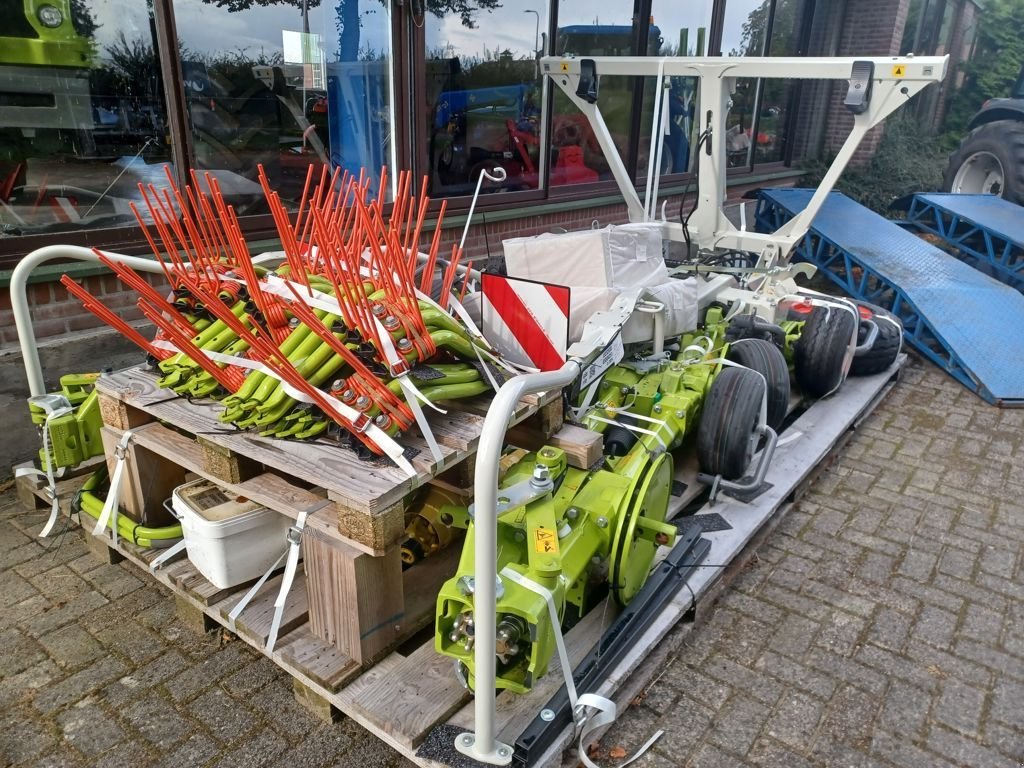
143, 536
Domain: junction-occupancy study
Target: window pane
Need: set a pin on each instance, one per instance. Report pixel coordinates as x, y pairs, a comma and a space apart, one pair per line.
483, 97
82, 117
284, 85
683, 30
576, 156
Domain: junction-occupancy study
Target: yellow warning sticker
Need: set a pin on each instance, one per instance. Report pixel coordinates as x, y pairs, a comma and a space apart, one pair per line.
899, 70
565, 66
545, 540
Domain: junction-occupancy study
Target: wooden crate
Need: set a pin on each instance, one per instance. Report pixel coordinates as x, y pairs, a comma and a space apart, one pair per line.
410, 698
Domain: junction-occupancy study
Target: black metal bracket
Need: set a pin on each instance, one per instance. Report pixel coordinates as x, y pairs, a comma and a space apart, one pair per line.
662, 585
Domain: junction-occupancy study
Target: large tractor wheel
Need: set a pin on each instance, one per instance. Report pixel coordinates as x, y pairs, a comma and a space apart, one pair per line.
767, 359
820, 353
888, 343
727, 436
990, 160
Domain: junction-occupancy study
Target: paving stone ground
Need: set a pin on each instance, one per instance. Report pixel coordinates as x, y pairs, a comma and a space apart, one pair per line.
881, 624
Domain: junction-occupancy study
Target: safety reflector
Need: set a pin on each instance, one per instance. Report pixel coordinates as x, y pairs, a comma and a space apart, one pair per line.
526, 321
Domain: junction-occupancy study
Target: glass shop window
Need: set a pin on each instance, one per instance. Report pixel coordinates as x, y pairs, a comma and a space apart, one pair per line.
756, 128
483, 96
82, 114
683, 29
576, 156
284, 85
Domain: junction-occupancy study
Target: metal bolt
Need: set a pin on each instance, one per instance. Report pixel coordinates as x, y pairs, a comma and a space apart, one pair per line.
467, 739
572, 513
382, 420
404, 344
390, 322
338, 385
347, 396
680, 414
378, 309
293, 322
547, 715
503, 752
362, 402
547, 453
657, 409
602, 522
519, 536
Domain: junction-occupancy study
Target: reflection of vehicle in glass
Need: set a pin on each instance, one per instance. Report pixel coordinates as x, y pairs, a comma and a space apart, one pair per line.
990, 159
478, 129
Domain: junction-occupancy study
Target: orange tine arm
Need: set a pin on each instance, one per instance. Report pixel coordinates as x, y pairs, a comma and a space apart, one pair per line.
209, 215
428, 272
465, 284
112, 319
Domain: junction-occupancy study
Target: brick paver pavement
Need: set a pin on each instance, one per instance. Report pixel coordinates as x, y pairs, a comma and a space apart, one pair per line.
881, 624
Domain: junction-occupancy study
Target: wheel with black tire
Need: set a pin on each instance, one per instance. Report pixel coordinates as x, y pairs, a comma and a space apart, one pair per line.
727, 436
990, 160
888, 342
819, 354
767, 359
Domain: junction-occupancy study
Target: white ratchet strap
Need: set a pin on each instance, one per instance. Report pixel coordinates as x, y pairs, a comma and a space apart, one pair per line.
166, 555
604, 709
656, 433
51, 481
111, 505
588, 398
291, 559
383, 440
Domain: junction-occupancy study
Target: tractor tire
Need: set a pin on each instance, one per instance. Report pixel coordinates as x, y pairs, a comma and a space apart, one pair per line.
766, 358
887, 346
990, 160
726, 439
819, 354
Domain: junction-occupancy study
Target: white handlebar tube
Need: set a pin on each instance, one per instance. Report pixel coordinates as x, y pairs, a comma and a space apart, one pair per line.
482, 746
19, 299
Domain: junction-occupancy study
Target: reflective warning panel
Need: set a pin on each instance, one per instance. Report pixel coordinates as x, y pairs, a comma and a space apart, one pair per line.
526, 321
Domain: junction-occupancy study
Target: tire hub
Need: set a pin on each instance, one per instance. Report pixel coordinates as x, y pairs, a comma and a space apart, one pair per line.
981, 173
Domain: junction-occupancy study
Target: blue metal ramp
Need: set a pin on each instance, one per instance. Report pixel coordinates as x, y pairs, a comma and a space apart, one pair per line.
985, 228
967, 323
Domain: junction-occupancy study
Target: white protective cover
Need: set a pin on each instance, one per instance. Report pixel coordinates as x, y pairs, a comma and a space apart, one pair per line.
600, 264
231, 550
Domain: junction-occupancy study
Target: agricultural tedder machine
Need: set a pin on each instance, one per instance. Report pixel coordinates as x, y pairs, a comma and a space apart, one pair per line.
356, 332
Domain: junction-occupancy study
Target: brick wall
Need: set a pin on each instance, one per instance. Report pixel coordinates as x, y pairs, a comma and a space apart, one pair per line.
56, 312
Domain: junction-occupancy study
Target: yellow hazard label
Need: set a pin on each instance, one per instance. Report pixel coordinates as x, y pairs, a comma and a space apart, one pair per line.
565, 66
545, 540
899, 70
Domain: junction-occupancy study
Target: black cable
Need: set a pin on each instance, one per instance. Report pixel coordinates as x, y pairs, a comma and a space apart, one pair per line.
686, 189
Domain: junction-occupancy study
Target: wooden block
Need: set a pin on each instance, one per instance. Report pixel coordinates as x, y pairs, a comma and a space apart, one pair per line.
118, 414
27, 487
149, 480
226, 465
379, 531
192, 617
583, 447
318, 706
100, 548
356, 600
322, 663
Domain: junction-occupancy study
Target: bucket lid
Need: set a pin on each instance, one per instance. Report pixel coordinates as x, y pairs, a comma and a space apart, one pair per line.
214, 504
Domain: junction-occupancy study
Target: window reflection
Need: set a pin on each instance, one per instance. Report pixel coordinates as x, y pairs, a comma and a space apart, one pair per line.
576, 156
684, 31
301, 83
483, 97
756, 124
82, 116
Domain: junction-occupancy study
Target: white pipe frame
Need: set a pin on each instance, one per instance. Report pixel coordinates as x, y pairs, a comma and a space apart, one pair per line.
895, 80
19, 299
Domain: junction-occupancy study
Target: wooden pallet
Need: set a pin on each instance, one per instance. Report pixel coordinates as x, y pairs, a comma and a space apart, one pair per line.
368, 498
411, 697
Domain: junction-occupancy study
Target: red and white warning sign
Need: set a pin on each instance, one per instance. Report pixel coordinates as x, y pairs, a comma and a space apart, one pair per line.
526, 321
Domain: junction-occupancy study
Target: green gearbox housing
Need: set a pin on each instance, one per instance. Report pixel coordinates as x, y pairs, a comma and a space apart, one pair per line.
577, 533
74, 436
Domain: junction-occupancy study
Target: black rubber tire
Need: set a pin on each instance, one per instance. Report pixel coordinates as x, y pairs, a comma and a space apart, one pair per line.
1004, 140
767, 359
819, 353
886, 349
725, 436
